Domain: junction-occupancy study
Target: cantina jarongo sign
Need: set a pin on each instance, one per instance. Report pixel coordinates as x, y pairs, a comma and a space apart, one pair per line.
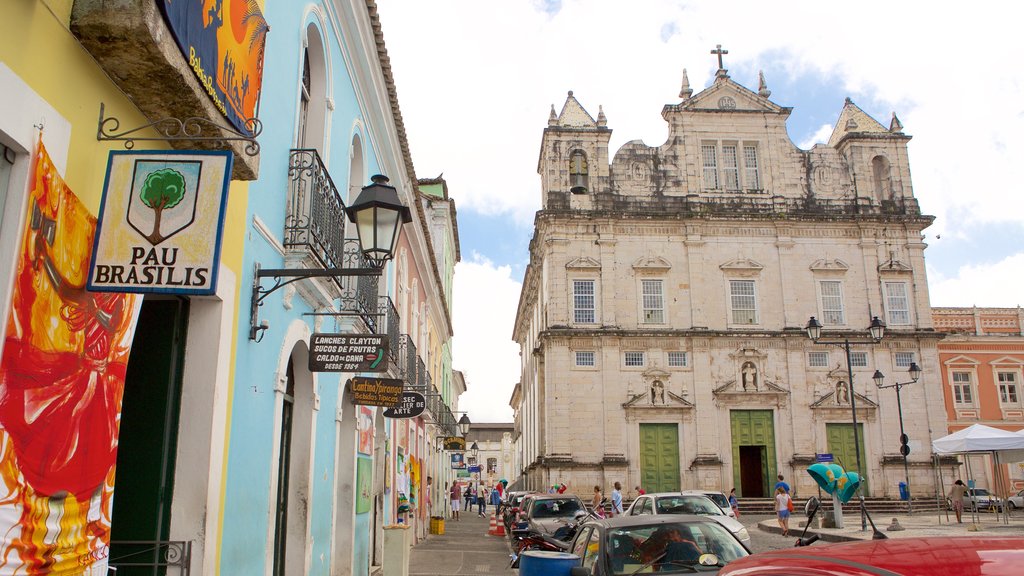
348, 353
385, 392
160, 222
411, 405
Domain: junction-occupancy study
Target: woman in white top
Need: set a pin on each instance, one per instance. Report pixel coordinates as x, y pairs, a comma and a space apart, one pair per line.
782, 501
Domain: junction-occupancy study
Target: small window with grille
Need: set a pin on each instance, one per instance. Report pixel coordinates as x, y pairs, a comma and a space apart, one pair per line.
743, 300
904, 359
677, 359
633, 359
709, 153
817, 359
653, 302
586, 359
859, 359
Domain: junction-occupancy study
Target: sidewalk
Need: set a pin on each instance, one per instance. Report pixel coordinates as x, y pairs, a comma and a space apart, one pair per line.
465, 548
916, 525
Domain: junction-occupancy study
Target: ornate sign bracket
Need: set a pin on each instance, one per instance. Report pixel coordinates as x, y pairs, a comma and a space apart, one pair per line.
174, 129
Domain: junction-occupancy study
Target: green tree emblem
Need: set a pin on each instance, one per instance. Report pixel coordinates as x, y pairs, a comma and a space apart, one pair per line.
163, 189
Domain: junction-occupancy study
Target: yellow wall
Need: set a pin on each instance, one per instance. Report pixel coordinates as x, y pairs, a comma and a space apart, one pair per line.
37, 45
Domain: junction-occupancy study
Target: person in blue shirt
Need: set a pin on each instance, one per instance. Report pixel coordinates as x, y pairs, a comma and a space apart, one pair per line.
617, 500
782, 484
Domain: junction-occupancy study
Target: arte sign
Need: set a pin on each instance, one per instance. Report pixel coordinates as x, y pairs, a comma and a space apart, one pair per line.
411, 405
455, 443
160, 222
385, 392
223, 42
348, 353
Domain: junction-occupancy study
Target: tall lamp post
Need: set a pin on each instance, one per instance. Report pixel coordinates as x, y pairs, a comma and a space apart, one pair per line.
915, 373
875, 331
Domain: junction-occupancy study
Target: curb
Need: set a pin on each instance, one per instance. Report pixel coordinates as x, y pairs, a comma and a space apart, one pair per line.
766, 526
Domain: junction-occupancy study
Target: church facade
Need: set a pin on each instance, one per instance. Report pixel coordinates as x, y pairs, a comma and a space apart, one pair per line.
661, 320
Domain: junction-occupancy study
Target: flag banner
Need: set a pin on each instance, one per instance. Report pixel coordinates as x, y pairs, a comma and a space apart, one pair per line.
62, 373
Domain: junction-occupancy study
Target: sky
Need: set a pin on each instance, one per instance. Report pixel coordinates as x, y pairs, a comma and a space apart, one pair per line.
476, 80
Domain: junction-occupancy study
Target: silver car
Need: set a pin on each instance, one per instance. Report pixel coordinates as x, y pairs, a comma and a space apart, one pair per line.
1017, 500
679, 503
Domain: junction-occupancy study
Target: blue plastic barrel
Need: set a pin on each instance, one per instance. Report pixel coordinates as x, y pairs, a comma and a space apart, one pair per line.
547, 563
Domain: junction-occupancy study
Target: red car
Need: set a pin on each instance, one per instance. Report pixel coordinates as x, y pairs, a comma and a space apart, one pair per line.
930, 556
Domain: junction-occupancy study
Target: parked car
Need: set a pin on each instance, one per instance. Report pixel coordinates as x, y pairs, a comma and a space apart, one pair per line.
1016, 501
667, 544
545, 513
982, 498
718, 498
699, 504
927, 556
509, 511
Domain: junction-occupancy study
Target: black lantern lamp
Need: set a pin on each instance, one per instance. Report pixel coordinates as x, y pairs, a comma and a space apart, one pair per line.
464, 424
876, 329
378, 216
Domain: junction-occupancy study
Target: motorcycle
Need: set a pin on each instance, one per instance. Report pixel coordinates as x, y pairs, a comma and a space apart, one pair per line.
560, 541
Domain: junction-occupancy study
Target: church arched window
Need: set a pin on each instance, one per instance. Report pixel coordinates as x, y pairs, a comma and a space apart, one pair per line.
578, 173
881, 177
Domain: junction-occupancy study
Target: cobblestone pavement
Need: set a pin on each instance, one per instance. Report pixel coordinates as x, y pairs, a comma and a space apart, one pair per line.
464, 548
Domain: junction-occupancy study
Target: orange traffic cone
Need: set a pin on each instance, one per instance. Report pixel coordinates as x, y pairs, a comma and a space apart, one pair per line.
493, 530
499, 526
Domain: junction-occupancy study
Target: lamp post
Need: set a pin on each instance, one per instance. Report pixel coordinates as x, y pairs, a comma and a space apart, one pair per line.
915, 373
876, 330
378, 215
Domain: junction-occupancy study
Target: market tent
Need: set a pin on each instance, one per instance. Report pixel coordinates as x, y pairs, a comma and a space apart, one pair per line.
1009, 446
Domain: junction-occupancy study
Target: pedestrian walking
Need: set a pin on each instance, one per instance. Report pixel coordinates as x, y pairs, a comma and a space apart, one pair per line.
734, 503
468, 497
783, 506
617, 500
456, 497
597, 503
481, 500
782, 484
956, 497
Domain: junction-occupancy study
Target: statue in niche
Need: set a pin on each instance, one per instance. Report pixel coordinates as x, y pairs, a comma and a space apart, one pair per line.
842, 393
749, 374
657, 392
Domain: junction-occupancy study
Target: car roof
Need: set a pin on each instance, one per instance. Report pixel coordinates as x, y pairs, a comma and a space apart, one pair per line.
648, 520
554, 496
932, 556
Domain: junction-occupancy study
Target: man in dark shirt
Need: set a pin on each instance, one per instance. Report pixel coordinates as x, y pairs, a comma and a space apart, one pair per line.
782, 484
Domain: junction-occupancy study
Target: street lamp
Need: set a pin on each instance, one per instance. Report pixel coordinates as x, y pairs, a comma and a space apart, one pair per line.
915, 373
876, 330
378, 215
464, 424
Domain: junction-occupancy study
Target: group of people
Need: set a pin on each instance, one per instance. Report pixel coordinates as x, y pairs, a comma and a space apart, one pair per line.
478, 494
597, 502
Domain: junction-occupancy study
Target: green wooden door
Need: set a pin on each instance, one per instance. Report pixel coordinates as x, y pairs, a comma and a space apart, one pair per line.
753, 428
840, 444
659, 457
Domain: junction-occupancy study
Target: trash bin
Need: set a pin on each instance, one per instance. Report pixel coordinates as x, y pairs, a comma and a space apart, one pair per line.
547, 563
904, 492
437, 525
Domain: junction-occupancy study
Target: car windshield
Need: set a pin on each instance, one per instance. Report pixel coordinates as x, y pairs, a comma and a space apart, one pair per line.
720, 500
687, 505
670, 547
517, 499
980, 492
556, 508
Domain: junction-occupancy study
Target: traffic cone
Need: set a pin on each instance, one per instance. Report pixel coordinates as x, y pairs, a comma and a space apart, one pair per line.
499, 526
493, 530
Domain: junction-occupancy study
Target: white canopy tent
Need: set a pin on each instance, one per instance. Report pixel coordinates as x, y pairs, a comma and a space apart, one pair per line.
1003, 445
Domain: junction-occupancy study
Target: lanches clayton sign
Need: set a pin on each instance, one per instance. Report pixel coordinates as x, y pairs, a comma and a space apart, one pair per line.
160, 222
348, 353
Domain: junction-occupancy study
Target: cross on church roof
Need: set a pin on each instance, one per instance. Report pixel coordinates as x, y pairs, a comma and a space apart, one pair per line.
718, 50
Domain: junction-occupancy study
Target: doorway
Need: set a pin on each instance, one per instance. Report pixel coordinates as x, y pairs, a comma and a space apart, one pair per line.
659, 457
148, 436
840, 444
284, 457
752, 471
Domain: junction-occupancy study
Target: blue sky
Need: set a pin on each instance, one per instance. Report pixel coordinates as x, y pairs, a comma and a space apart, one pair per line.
476, 80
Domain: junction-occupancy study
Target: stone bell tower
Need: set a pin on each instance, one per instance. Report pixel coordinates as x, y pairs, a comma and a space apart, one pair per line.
573, 157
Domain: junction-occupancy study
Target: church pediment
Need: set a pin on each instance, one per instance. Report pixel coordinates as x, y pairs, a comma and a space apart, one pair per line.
894, 265
652, 263
829, 265
855, 122
655, 399
765, 387
742, 266
573, 115
839, 400
583, 263
726, 95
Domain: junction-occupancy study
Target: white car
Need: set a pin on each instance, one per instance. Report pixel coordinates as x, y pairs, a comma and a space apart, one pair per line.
683, 503
1016, 501
718, 498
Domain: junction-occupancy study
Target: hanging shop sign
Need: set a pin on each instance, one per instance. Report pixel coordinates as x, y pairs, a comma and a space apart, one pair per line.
385, 392
458, 462
411, 405
223, 43
160, 222
348, 353
455, 443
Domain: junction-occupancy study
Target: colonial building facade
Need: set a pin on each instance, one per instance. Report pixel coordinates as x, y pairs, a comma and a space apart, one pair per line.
662, 315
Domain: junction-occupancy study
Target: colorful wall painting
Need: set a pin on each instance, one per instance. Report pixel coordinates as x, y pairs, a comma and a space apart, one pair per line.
223, 42
364, 484
364, 424
61, 382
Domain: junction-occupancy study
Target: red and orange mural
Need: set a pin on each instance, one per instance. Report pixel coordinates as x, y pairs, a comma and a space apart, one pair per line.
62, 375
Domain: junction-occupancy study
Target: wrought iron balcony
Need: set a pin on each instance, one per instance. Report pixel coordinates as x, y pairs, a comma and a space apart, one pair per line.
407, 360
173, 558
388, 321
315, 221
421, 375
359, 294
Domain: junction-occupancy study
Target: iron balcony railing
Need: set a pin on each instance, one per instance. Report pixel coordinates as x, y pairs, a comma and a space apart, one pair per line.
315, 220
359, 294
389, 322
421, 375
407, 360
150, 558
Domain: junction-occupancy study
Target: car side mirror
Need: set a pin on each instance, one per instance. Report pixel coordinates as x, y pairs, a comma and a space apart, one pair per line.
579, 571
812, 506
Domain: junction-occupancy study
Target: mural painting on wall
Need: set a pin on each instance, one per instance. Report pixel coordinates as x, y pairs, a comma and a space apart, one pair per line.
364, 423
223, 42
61, 382
364, 484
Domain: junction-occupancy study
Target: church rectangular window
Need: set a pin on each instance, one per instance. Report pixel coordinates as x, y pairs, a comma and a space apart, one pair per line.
730, 168
832, 303
859, 359
584, 301
633, 359
904, 359
743, 301
677, 359
1007, 387
751, 177
962, 393
817, 359
586, 359
709, 152
897, 304
653, 301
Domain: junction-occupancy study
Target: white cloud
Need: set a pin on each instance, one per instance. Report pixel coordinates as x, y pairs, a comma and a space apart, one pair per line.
486, 297
821, 136
996, 284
